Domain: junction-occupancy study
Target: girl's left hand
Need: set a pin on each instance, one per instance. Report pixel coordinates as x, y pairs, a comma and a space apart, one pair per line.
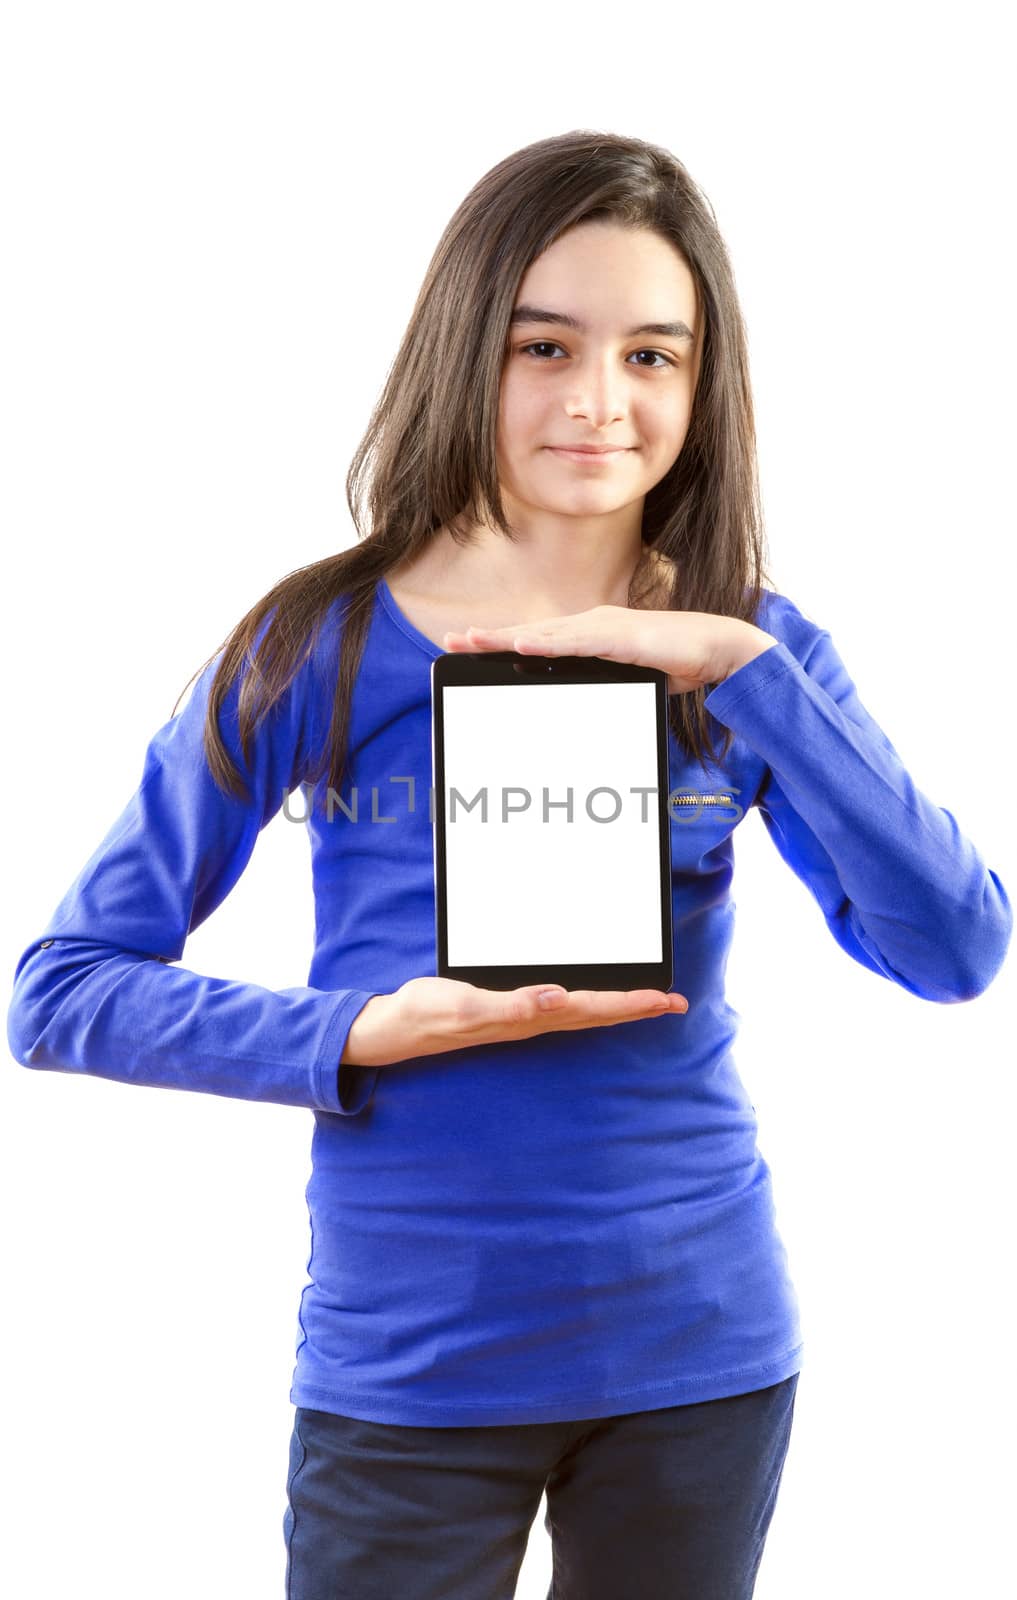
692, 647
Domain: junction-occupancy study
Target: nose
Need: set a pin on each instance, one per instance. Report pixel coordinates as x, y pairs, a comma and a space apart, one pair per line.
597, 393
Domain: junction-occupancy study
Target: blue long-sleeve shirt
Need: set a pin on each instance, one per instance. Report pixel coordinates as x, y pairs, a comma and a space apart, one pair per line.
557, 1228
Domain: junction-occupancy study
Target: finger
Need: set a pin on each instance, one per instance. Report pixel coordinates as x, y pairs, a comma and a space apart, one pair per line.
507, 639
599, 1003
636, 1001
477, 639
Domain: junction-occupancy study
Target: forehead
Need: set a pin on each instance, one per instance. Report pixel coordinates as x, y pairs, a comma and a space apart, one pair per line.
605, 276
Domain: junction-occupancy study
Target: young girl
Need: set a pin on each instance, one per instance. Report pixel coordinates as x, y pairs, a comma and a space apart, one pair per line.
544, 1255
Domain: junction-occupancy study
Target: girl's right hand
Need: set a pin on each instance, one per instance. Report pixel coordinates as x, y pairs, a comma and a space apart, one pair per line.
430, 1015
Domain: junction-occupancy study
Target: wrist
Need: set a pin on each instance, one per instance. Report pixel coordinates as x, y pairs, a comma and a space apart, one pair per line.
749, 643
364, 1045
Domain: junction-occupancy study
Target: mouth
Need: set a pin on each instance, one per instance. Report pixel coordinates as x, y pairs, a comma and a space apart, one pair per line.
609, 453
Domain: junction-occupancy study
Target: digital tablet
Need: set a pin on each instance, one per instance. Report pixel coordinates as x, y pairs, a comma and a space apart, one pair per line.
552, 852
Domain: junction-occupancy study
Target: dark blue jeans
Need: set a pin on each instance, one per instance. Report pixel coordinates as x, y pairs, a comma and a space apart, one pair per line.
672, 1504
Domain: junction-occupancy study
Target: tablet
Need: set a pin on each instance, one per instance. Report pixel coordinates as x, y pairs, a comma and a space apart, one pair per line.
552, 845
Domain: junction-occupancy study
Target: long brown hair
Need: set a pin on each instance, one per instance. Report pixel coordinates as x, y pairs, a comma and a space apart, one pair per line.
427, 459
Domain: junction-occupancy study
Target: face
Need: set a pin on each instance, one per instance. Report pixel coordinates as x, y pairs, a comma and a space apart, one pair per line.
599, 383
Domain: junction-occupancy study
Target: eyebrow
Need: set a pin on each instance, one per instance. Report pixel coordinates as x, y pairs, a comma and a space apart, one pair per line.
666, 330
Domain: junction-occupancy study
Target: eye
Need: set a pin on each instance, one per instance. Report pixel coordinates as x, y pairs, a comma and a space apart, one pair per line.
548, 344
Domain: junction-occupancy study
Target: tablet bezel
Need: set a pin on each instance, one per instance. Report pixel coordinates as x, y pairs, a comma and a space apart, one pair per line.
485, 668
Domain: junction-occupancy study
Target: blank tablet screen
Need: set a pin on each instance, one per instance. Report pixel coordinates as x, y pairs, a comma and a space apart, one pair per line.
552, 823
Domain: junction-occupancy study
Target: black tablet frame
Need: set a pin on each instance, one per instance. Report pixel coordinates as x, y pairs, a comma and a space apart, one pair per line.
508, 667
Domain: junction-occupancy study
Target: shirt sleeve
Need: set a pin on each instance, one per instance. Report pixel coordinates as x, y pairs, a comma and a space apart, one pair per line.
95, 991
902, 889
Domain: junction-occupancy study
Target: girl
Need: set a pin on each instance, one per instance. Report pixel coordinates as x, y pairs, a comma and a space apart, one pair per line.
544, 1255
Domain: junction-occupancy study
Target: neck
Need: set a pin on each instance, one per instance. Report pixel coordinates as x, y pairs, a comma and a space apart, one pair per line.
551, 575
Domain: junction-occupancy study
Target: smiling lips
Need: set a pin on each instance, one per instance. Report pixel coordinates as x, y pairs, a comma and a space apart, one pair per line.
588, 452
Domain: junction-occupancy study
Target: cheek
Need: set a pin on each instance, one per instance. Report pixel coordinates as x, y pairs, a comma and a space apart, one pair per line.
520, 410
670, 423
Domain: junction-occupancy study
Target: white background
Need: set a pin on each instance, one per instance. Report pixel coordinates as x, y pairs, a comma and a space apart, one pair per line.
217, 217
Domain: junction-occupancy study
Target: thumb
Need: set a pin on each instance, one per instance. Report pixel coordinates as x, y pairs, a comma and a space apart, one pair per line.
548, 995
